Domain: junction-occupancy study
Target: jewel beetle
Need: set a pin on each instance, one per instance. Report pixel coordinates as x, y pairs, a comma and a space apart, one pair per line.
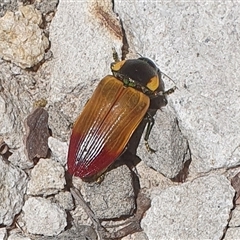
110, 117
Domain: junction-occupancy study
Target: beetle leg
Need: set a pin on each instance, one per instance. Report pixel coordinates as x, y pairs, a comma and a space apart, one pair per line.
100, 178
115, 55
170, 91
79, 198
150, 123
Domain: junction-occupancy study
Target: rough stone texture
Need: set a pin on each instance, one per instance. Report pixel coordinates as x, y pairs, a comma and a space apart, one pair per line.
59, 150
232, 234
136, 236
195, 210
19, 159
92, 32
150, 179
235, 219
3, 233
19, 90
114, 196
47, 177
47, 6
77, 233
21, 39
171, 148
65, 200
44, 217
80, 217
7, 5
59, 121
13, 182
15, 234
37, 134
235, 181
6, 125
197, 45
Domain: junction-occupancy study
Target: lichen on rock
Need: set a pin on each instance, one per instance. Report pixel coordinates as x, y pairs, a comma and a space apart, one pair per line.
22, 41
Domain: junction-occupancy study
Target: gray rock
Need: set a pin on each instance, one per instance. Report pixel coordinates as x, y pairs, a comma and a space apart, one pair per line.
47, 177
47, 6
18, 93
16, 234
43, 217
195, 210
235, 218
79, 233
59, 122
233, 230
136, 236
79, 216
170, 145
150, 179
8, 5
114, 196
6, 123
232, 234
19, 159
3, 233
59, 150
65, 200
13, 183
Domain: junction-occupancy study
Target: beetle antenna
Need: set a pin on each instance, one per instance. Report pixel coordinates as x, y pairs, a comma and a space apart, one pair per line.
139, 54
168, 77
170, 91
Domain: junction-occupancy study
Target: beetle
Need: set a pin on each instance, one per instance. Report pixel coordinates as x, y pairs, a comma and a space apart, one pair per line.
110, 117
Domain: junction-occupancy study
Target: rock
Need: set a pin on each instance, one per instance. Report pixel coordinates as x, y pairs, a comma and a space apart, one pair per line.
114, 196
198, 209
235, 219
172, 150
13, 183
8, 5
59, 122
65, 200
46, 6
47, 178
44, 217
232, 234
136, 236
59, 150
150, 179
36, 139
19, 91
80, 232
21, 39
79, 216
6, 124
16, 234
19, 159
3, 233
